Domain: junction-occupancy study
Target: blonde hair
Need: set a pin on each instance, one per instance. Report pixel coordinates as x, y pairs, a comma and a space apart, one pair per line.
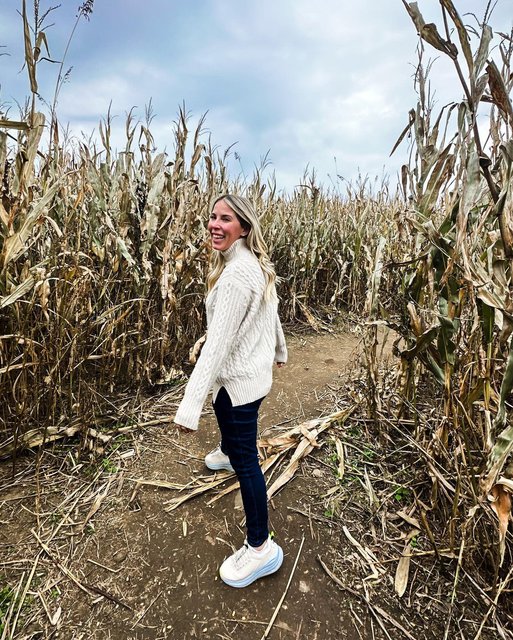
248, 218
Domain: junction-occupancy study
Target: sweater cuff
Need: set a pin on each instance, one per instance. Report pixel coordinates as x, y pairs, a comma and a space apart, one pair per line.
281, 354
187, 419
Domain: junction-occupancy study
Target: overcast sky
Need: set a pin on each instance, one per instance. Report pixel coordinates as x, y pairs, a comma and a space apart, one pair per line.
320, 83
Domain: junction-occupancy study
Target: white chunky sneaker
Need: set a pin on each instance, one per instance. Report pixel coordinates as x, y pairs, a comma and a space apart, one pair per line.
247, 565
217, 460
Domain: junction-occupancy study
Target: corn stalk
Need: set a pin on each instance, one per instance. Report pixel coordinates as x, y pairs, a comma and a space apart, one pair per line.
456, 312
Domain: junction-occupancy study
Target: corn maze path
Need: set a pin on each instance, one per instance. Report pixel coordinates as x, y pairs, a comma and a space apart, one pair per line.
168, 561
139, 571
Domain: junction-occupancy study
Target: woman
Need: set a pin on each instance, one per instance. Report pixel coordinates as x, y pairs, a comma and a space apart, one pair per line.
244, 338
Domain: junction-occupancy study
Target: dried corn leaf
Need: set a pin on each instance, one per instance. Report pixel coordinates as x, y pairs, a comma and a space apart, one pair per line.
35, 438
14, 245
429, 32
367, 556
504, 442
462, 33
403, 571
309, 436
163, 484
372, 301
373, 499
310, 318
123, 249
403, 566
407, 518
404, 131
500, 499
29, 57
288, 438
305, 447
100, 497
506, 483
56, 617
500, 95
484, 48
19, 292
308, 431
198, 490
13, 124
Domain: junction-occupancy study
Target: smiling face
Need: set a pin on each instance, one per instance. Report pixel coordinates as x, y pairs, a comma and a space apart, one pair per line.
224, 226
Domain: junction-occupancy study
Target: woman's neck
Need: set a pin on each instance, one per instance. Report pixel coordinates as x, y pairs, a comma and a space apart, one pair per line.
232, 251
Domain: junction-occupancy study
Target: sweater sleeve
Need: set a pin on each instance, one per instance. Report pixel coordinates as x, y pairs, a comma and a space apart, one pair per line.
281, 347
230, 308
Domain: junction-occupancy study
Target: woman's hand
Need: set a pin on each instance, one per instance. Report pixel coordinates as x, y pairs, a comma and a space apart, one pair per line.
180, 427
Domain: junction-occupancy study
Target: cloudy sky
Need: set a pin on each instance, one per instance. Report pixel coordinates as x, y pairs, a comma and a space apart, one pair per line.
324, 84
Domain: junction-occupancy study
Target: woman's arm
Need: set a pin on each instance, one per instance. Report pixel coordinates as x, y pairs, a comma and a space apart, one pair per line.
230, 308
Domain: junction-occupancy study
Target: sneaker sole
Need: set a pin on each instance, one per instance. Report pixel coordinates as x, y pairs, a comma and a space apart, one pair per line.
219, 466
271, 567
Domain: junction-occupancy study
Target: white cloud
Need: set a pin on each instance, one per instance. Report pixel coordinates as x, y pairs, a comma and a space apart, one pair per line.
91, 97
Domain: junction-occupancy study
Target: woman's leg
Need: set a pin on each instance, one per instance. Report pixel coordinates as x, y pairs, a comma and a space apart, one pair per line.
238, 426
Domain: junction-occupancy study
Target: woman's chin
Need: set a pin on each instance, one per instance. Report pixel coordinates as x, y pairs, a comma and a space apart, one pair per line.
219, 245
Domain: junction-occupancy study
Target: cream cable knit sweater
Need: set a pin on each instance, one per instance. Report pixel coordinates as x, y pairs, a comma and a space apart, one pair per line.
244, 338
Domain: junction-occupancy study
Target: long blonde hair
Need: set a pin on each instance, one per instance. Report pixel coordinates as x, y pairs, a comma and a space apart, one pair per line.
247, 216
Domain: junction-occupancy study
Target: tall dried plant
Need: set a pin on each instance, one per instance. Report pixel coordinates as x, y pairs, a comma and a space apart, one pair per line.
456, 301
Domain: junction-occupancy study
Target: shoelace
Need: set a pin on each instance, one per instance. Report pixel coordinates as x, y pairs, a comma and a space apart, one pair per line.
242, 556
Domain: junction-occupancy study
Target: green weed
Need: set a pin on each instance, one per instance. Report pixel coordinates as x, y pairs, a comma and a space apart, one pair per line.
6, 598
402, 494
108, 466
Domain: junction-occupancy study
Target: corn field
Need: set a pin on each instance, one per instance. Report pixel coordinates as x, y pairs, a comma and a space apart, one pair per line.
454, 309
103, 258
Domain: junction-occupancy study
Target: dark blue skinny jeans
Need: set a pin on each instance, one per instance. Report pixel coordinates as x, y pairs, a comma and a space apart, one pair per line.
238, 426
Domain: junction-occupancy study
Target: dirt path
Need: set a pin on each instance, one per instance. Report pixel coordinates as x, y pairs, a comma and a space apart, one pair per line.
155, 571
168, 562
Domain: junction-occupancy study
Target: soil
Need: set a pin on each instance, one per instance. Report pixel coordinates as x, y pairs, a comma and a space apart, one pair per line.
151, 574
181, 571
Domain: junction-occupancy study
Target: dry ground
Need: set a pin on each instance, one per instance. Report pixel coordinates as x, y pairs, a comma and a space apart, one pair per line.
102, 558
